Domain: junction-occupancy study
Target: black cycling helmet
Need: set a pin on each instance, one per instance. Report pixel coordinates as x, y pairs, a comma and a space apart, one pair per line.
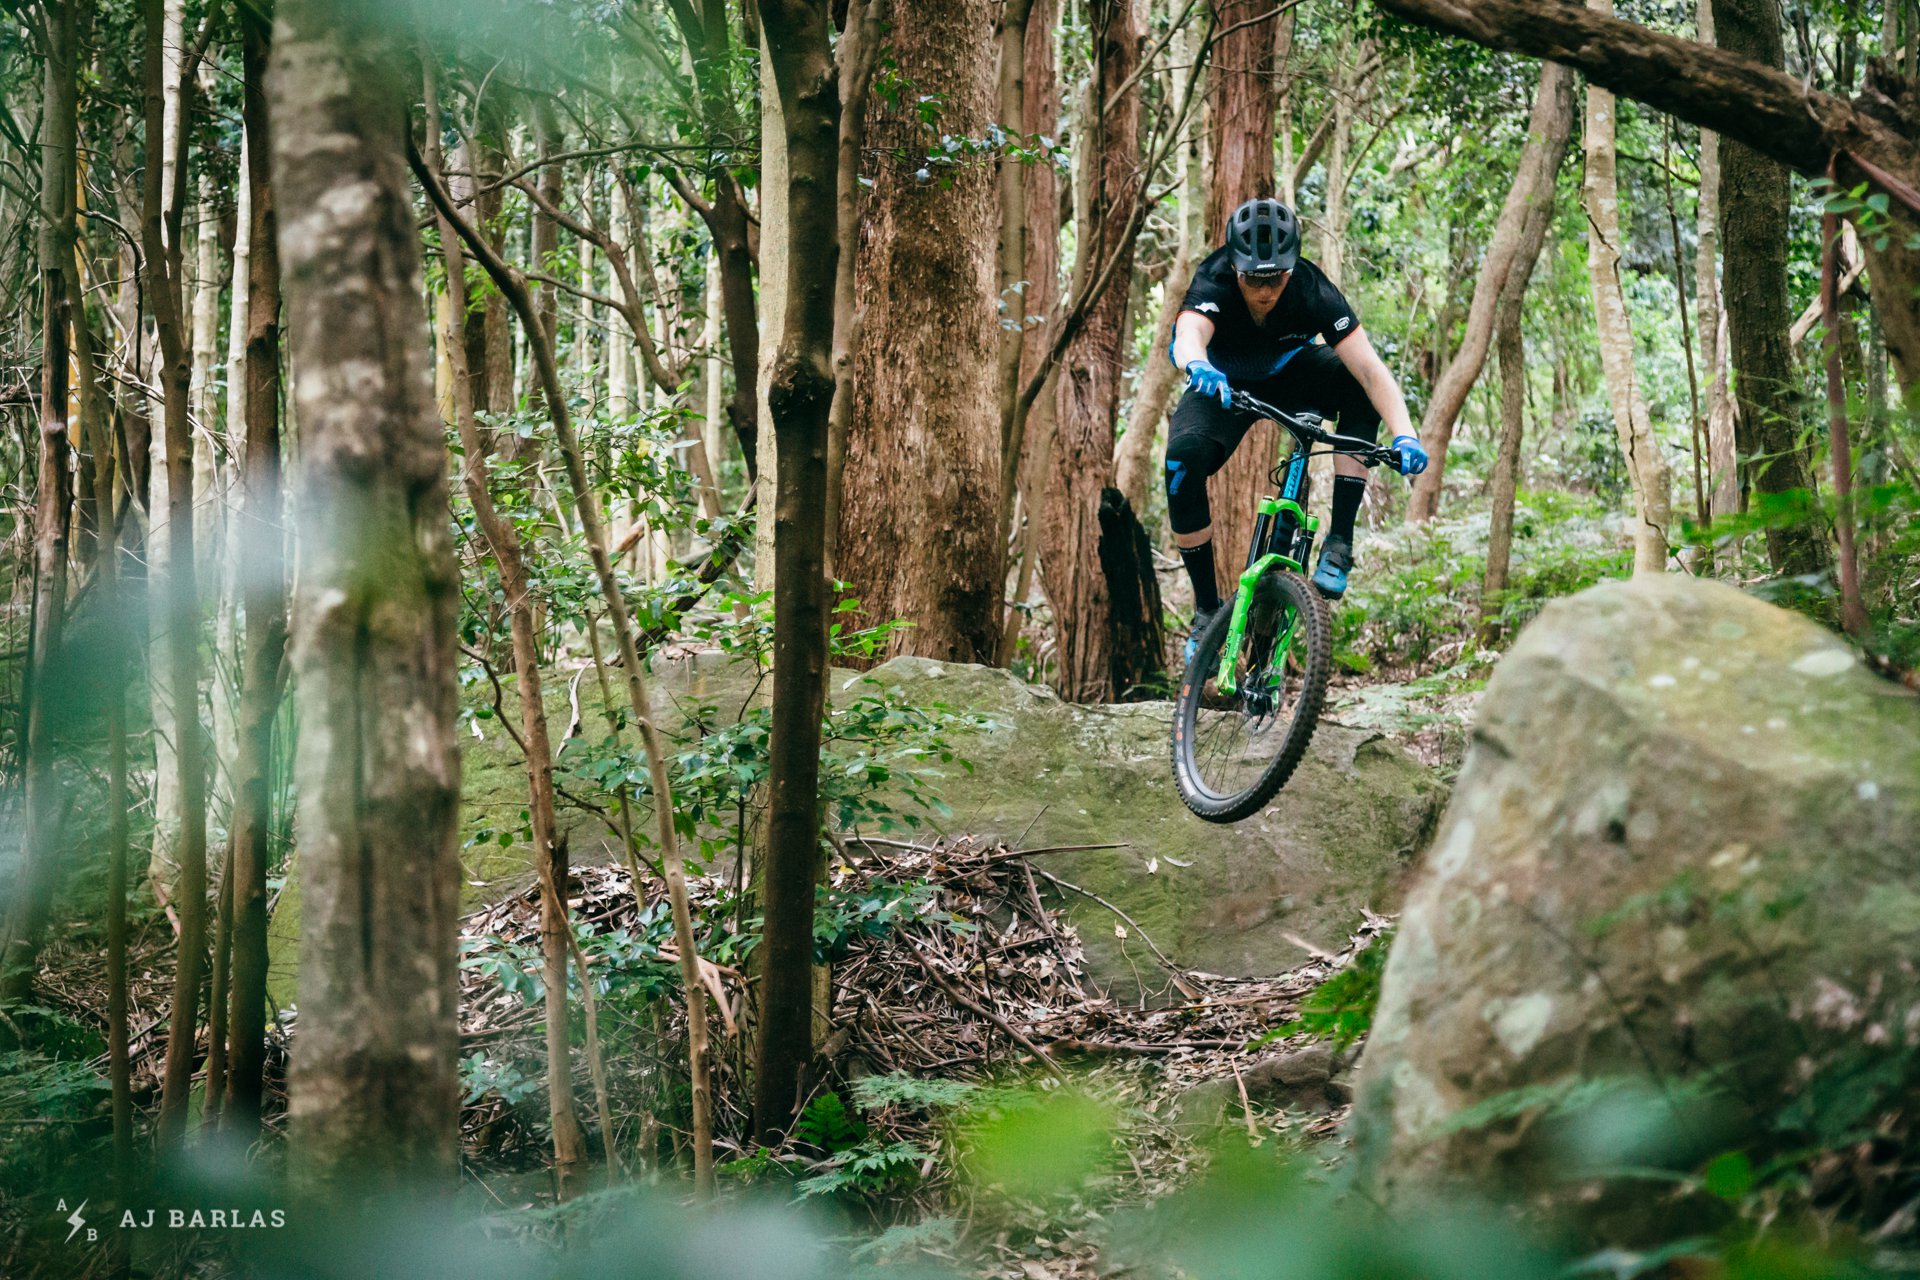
1263, 237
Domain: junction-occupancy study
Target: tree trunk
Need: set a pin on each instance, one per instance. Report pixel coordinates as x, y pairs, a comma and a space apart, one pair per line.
1754, 215
1243, 66
33, 889
375, 1087
1134, 468
1025, 453
1710, 315
1853, 612
918, 538
549, 852
773, 313
546, 243
162, 246
1646, 469
1081, 465
709, 46
1015, 292
1505, 481
586, 502
1240, 134
263, 578
1346, 93
729, 229
800, 398
1512, 249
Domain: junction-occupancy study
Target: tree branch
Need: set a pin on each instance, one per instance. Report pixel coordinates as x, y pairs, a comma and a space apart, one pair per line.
1736, 97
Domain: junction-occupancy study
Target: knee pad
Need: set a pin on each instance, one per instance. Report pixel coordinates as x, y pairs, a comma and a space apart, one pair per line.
1187, 472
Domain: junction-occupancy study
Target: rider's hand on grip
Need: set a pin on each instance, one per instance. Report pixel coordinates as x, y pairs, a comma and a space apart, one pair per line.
1209, 381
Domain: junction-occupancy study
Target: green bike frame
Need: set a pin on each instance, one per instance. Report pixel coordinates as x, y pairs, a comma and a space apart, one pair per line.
1273, 509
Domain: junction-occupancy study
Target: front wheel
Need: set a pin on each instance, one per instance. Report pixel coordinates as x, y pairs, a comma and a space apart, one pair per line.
1232, 752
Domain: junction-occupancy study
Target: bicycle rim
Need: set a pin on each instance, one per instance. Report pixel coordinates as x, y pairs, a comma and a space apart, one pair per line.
1231, 753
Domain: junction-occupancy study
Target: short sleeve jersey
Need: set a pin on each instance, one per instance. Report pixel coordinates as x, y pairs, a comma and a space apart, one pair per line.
1247, 351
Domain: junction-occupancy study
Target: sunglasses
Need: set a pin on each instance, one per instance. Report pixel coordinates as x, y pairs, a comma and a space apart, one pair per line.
1265, 279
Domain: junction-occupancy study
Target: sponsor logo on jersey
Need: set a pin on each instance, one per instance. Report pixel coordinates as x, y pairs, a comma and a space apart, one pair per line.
1342, 323
1208, 306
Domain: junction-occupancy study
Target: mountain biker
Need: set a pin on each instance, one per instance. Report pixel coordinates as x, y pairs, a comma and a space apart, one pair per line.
1259, 316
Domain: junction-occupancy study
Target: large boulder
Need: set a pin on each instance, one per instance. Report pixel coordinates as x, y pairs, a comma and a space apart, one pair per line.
1681, 864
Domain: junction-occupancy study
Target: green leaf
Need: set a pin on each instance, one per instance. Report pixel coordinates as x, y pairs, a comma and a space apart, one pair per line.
1729, 1176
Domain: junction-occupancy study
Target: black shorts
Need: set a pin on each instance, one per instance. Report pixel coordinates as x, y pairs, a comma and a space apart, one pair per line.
1314, 380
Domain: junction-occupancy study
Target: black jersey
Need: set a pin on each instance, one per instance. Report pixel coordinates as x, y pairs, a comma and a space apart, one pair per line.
1247, 351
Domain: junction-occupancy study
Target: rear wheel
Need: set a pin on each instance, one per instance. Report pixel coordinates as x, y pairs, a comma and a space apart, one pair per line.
1232, 752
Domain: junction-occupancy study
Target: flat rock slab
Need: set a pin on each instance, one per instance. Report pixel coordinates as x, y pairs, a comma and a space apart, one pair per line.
1233, 900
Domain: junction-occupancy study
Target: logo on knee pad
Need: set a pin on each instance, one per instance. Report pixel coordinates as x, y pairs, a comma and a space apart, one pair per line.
1176, 472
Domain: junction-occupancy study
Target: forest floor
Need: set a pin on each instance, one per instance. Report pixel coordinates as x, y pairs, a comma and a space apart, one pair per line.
972, 999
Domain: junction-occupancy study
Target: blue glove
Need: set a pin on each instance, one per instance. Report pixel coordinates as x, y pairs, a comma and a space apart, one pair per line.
1413, 459
1209, 381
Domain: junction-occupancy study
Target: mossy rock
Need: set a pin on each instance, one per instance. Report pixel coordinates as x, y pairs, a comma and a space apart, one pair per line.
1680, 865
1226, 899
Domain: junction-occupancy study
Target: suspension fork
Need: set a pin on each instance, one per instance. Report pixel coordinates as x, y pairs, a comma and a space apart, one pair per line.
1273, 538
1272, 510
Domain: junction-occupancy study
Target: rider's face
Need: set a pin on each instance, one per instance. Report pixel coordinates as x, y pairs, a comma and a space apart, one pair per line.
1262, 291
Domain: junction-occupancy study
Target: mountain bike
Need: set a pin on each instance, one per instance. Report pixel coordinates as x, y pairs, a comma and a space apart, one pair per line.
1250, 699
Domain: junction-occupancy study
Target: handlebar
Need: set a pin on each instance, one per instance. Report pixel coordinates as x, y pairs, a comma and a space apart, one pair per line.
1307, 429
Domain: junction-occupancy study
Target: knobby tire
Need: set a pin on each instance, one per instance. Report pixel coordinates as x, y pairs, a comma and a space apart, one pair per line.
1312, 643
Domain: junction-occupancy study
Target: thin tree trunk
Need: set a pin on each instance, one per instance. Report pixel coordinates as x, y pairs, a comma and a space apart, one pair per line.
549, 854
1710, 315
214, 1087
1027, 444
53, 500
1549, 130
1015, 290
709, 46
513, 284
546, 243
162, 245
774, 248
800, 398
1853, 612
375, 1084
1506, 465
919, 513
1134, 465
1646, 469
263, 577
1696, 418
1344, 103
1134, 456
1081, 465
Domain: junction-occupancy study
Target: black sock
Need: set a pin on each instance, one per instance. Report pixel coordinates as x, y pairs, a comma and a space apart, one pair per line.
1347, 493
1199, 562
